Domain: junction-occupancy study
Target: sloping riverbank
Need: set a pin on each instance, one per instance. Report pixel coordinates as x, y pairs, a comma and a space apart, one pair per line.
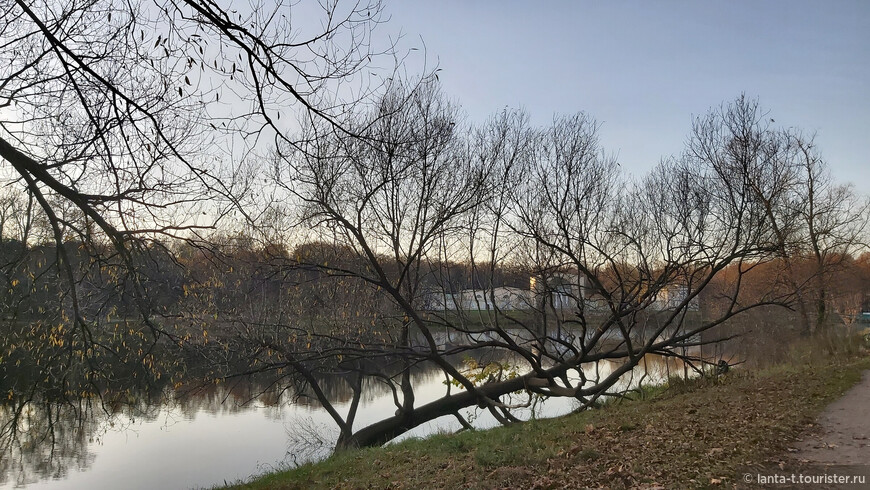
699, 433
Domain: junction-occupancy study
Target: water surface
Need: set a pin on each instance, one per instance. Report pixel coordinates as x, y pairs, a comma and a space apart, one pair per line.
222, 435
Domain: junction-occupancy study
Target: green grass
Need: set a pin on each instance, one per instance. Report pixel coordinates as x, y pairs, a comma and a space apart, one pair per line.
690, 434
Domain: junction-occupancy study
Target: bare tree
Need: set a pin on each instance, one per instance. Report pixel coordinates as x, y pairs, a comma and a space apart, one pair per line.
395, 197
810, 218
140, 131
834, 220
126, 122
129, 126
416, 195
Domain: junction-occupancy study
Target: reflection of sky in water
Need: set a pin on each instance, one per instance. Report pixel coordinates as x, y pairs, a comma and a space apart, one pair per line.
185, 448
174, 451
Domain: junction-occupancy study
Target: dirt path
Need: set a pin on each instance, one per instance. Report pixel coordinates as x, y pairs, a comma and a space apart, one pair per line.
843, 437
841, 442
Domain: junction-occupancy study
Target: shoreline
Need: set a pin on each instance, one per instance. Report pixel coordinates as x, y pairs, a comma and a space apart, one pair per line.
696, 433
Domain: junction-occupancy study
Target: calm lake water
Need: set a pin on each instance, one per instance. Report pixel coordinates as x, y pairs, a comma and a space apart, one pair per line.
222, 435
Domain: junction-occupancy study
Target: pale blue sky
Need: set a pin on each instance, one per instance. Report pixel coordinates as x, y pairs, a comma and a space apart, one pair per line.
644, 69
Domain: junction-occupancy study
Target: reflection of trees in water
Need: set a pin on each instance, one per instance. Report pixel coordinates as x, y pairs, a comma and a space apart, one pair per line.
238, 393
339, 389
41, 439
44, 438
651, 370
231, 397
56, 400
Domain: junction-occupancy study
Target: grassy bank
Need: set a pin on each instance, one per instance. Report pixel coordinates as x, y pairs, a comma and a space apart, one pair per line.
691, 434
